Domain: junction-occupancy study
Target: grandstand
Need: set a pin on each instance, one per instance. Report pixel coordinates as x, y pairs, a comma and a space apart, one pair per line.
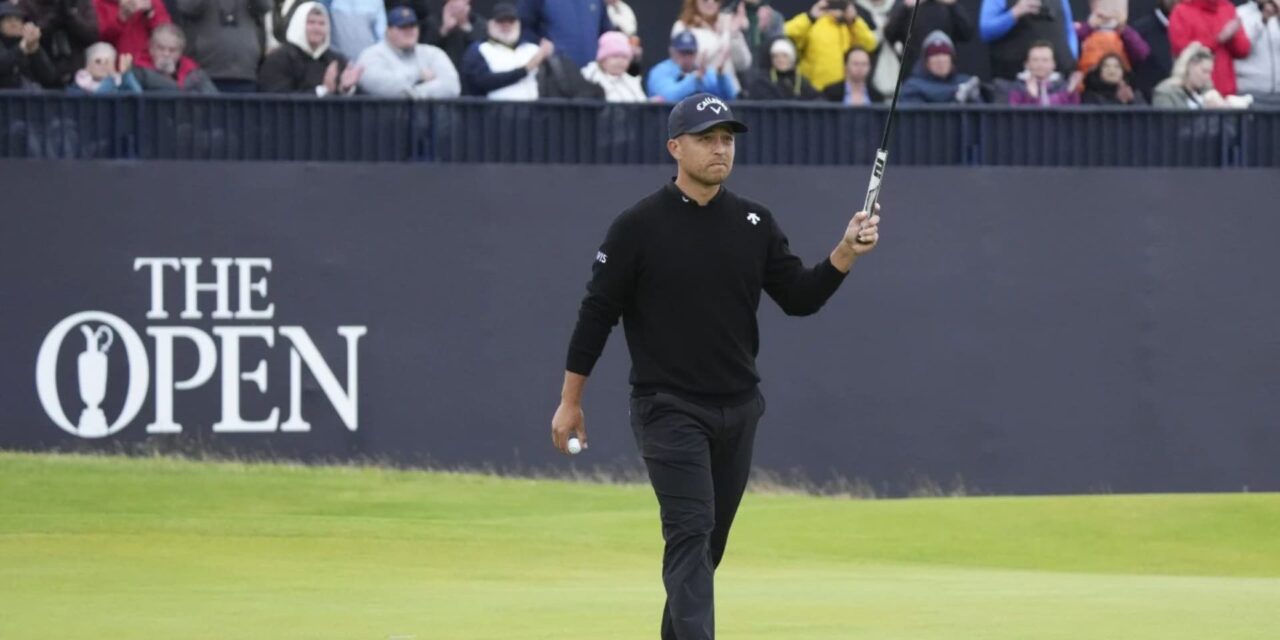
43, 120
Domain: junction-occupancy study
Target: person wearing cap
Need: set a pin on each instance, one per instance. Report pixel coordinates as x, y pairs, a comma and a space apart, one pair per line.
935, 79
781, 81
719, 33
503, 67
684, 269
224, 38
306, 63
23, 63
686, 73
357, 25
400, 66
609, 70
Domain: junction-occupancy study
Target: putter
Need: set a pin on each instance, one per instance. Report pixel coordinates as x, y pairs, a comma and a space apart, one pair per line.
882, 154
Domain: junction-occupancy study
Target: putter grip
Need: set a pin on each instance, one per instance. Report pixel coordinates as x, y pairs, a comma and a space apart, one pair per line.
873, 189
877, 173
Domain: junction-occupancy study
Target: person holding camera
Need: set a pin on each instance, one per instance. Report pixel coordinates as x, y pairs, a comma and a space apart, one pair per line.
824, 35
1258, 74
1010, 27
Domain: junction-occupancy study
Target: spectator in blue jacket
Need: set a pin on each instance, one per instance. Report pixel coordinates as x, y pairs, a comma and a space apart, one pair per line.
935, 79
1010, 27
573, 26
685, 73
357, 25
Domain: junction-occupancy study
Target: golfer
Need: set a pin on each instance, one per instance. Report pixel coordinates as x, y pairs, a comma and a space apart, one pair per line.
684, 269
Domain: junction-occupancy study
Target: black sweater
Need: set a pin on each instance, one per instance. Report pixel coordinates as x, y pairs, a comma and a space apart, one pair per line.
686, 281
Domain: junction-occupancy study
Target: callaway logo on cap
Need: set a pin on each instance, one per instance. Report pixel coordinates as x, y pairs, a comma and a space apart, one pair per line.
700, 112
712, 103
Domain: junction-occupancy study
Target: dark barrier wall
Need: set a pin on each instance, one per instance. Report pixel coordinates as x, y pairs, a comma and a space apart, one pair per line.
276, 128
1020, 330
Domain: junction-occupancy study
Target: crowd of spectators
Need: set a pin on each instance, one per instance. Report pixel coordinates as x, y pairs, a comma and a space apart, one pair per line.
1186, 54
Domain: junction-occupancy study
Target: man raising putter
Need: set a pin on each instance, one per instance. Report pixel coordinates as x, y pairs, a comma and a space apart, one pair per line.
684, 269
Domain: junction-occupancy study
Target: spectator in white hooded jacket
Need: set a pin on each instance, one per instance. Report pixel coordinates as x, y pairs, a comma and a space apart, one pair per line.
400, 67
609, 70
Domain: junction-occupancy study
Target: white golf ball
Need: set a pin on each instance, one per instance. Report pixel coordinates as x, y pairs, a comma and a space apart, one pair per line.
575, 447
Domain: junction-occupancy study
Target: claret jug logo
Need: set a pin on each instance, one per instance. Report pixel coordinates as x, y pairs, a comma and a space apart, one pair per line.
107, 338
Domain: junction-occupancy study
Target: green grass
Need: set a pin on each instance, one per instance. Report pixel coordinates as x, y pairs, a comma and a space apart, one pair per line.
100, 547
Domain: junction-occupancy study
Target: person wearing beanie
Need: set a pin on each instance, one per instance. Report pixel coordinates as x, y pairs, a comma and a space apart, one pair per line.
781, 81
947, 16
935, 79
609, 69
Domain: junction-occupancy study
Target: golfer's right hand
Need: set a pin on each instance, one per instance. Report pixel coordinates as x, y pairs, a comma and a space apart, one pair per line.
568, 422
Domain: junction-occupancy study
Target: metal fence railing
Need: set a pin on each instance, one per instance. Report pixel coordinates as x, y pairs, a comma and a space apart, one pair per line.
287, 128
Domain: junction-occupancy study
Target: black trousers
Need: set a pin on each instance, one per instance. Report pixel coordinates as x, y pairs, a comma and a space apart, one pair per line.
698, 459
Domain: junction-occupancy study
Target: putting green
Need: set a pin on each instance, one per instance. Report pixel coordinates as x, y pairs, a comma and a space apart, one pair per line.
108, 547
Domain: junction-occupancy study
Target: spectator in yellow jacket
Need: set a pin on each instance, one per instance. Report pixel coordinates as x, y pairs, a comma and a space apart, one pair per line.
823, 35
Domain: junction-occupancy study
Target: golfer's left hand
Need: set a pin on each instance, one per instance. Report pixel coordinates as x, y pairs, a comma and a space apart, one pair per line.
863, 232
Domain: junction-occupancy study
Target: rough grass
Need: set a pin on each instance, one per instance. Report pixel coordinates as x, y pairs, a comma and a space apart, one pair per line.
110, 547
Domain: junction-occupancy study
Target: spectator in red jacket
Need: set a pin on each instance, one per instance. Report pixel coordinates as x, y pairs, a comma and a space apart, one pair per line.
168, 69
1214, 24
127, 24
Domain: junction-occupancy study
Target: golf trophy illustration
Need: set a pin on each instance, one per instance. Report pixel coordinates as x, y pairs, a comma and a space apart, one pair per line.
92, 370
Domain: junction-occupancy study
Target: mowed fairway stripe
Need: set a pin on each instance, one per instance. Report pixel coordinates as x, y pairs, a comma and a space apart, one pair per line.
102, 547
